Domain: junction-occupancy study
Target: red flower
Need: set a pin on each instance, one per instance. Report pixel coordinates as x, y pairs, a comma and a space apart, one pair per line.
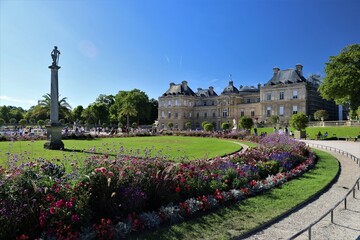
177, 189
52, 210
69, 204
60, 203
75, 218
22, 237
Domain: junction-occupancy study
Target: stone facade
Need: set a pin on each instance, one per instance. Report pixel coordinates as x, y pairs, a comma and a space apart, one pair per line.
286, 93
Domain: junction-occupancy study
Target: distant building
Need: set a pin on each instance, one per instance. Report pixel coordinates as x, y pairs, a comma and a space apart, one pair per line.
286, 93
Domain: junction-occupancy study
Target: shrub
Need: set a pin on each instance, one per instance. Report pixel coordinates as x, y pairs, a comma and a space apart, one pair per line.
299, 121
225, 126
208, 127
246, 123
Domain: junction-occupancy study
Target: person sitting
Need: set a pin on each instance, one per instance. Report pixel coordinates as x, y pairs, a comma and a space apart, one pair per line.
319, 135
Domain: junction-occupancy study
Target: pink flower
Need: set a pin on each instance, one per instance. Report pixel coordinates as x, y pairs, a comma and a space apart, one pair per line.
75, 218
60, 203
69, 204
52, 210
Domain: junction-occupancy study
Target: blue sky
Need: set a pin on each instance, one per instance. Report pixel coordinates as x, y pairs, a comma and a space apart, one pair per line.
107, 46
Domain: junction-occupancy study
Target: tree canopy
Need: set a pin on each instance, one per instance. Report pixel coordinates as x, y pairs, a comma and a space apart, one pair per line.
246, 123
321, 115
342, 80
299, 121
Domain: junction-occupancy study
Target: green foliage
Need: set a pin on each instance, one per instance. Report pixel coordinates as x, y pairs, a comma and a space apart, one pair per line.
268, 168
188, 125
12, 120
204, 123
299, 121
76, 113
274, 119
225, 125
246, 123
208, 127
342, 80
358, 112
2, 122
41, 122
321, 115
23, 122
134, 125
170, 125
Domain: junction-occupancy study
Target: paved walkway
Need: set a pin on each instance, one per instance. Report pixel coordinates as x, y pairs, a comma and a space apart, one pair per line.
346, 221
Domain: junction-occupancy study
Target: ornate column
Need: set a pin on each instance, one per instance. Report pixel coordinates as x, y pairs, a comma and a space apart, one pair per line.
54, 129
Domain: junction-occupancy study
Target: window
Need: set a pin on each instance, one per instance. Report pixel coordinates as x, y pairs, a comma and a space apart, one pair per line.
205, 115
295, 94
268, 111
268, 96
242, 113
281, 95
295, 109
190, 115
169, 114
162, 114
190, 104
214, 114
248, 100
225, 113
163, 103
213, 103
252, 113
169, 103
197, 115
162, 126
176, 102
176, 126
184, 102
258, 100
176, 115
281, 111
204, 103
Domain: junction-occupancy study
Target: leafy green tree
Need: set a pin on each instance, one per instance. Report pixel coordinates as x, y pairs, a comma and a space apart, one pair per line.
41, 122
358, 112
32, 121
246, 123
225, 126
321, 115
5, 113
23, 122
134, 125
2, 122
170, 125
208, 127
342, 80
8, 112
299, 121
274, 119
12, 121
76, 113
64, 107
204, 123
188, 125
128, 110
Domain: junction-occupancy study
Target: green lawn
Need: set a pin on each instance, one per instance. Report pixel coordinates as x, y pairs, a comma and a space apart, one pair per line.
340, 132
173, 147
231, 222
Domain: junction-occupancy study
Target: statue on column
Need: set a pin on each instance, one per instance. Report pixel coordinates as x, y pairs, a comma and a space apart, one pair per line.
55, 54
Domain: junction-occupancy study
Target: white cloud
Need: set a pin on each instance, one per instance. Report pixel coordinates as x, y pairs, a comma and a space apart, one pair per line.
15, 100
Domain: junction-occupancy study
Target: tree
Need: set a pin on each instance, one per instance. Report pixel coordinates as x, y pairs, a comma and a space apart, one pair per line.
76, 113
188, 125
128, 110
274, 119
299, 121
358, 112
64, 107
225, 126
12, 121
342, 80
2, 122
170, 125
204, 123
41, 122
246, 123
208, 127
321, 115
22, 122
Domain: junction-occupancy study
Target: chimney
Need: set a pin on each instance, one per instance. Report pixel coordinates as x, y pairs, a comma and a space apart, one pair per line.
184, 85
231, 83
172, 84
199, 89
211, 90
259, 85
299, 68
276, 70
241, 86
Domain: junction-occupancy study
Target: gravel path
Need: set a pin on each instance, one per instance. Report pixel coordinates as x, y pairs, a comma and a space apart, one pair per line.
346, 221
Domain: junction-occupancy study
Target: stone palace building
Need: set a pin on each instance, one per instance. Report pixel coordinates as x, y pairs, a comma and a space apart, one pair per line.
286, 93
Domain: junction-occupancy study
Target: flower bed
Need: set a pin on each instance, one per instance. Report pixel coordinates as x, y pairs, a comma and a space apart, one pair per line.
105, 199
